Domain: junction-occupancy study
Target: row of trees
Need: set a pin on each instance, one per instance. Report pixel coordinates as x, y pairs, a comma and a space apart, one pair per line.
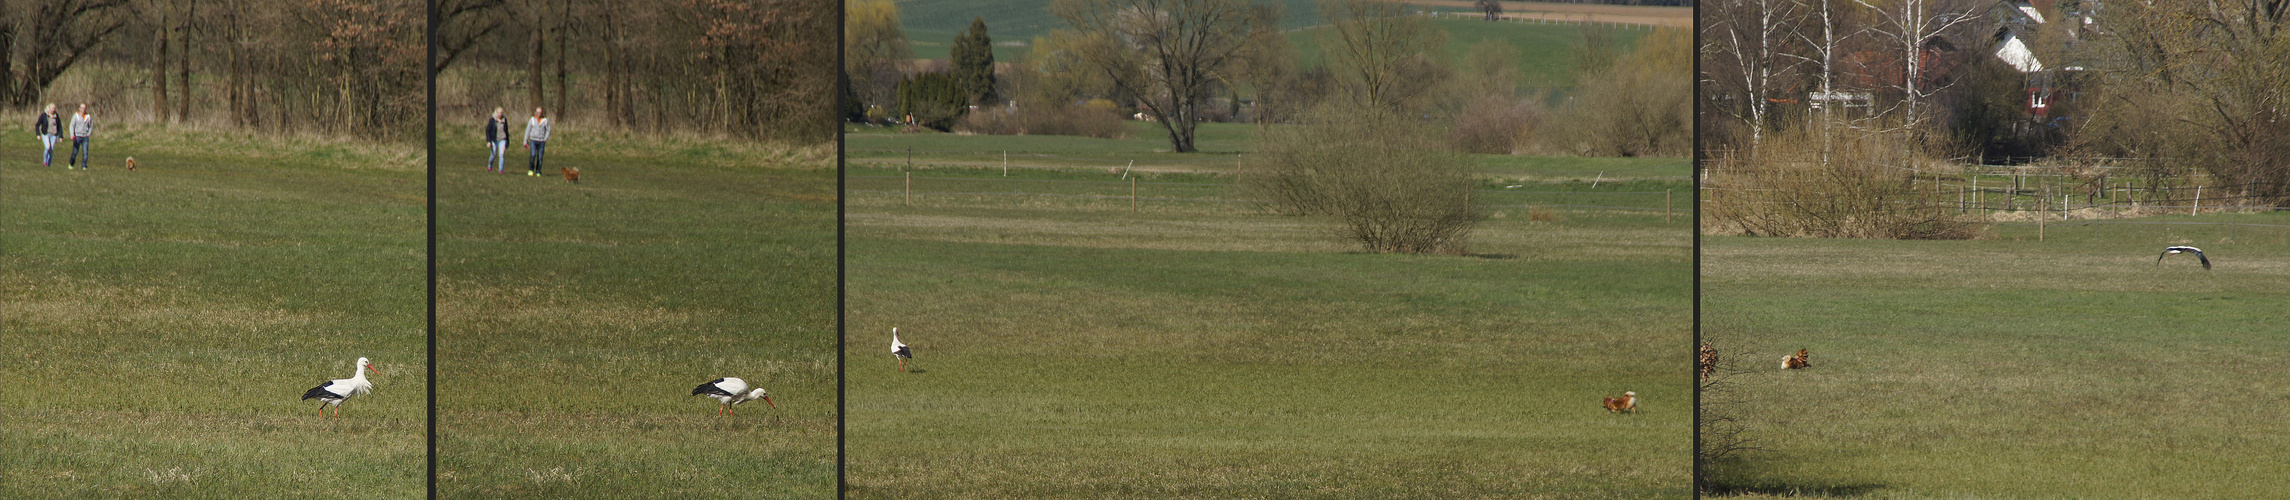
746, 68
1182, 62
328, 66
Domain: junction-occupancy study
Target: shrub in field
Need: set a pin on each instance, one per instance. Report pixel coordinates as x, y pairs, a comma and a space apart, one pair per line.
1832, 184
1089, 119
1391, 182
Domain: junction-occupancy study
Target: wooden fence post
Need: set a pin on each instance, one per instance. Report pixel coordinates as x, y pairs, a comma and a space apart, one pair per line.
2198, 200
910, 189
1666, 205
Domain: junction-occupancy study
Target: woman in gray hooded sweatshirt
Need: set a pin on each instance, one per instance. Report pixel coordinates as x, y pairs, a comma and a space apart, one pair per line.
537, 140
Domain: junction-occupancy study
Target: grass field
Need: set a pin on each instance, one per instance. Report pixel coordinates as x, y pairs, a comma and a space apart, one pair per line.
2074, 367
574, 320
162, 324
1221, 146
1069, 348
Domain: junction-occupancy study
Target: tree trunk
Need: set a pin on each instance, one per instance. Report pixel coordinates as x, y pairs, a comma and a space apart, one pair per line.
159, 61
533, 66
183, 108
563, 87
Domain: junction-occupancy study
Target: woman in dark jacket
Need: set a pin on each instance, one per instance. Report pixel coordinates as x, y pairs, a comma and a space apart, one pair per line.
496, 141
47, 128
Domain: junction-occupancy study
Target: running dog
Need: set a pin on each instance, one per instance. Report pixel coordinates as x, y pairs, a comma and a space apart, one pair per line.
1628, 403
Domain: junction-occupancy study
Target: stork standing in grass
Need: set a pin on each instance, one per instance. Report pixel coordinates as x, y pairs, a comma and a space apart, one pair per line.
334, 392
899, 350
2184, 249
731, 391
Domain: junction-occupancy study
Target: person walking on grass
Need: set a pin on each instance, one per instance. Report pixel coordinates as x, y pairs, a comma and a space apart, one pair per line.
83, 126
536, 140
47, 127
496, 141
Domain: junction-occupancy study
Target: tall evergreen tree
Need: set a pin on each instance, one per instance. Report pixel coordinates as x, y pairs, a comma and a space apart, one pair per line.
973, 56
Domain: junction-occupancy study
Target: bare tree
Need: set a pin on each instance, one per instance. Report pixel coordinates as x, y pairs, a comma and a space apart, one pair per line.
1382, 56
1743, 43
1170, 53
61, 32
1910, 26
461, 24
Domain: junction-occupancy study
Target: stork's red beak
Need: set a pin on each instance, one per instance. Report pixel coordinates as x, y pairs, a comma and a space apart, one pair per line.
370, 366
767, 400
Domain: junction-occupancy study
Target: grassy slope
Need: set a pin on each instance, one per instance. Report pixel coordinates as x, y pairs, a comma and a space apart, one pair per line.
161, 324
2073, 367
1546, 51
933, 24
1071, 349
574, 321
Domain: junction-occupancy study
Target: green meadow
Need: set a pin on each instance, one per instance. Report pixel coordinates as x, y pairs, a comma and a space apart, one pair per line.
1077, 347
162, 324
2072, 367
575, 319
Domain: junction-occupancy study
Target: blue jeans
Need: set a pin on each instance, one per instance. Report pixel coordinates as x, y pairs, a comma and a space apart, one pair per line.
48, 151
494, 161
80, 152
538, 148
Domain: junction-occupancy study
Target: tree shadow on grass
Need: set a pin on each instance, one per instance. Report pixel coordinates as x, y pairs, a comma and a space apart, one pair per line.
1491, 256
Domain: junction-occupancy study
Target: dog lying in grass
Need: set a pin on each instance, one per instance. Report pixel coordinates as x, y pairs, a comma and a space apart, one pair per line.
1628, 403
1796, 361
572, 175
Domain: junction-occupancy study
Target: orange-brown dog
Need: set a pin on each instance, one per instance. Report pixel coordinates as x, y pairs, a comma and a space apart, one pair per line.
1796, 361
1628, 403
572, 175
131, 163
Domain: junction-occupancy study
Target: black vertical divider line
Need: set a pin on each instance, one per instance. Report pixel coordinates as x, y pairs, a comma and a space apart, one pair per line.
429, 69
1695, 170
842, 81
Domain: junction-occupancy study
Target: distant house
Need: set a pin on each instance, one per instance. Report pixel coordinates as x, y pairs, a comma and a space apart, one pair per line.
2049, 86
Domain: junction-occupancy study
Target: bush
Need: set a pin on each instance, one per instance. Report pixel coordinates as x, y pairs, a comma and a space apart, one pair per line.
1390, 182
1495, 125
1839, 183
1086, 119
1641, 106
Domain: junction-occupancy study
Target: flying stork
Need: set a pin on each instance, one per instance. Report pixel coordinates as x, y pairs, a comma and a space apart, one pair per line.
899, 350
2184, 249
333, 392
731, 391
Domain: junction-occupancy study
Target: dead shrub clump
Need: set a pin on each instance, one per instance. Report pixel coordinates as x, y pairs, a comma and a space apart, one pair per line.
1392, 183
1832, 184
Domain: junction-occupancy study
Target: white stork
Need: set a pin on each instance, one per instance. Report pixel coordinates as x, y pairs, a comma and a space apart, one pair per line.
899, 350
2184, 249
731, 391
333, 392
